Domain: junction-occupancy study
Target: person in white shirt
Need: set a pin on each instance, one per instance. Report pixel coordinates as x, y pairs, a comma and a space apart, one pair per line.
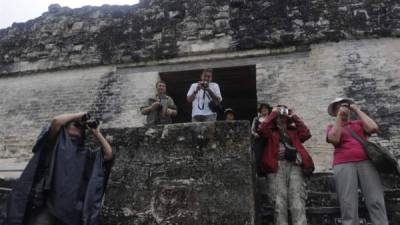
201, 94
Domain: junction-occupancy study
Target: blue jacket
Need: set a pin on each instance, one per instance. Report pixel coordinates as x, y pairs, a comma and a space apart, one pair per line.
78, 179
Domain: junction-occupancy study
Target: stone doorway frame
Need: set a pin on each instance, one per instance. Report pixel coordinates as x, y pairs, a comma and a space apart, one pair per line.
237, 83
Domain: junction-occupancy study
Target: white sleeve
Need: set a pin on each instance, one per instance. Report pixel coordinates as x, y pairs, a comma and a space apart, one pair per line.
216, 91
191, 90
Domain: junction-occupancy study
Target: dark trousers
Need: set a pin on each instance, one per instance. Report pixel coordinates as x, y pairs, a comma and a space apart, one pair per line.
258, 148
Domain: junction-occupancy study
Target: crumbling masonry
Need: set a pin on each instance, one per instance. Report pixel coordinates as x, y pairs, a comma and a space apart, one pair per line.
107, 60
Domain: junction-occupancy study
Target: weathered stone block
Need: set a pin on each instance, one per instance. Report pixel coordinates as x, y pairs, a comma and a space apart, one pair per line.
195, 173
125, 29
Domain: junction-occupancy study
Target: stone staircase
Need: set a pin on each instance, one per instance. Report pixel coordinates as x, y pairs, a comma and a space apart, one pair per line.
322, 202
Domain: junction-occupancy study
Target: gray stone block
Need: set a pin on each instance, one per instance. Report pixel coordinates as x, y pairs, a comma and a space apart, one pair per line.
197, 173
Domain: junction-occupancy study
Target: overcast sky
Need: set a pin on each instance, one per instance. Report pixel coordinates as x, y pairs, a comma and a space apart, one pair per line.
24, 10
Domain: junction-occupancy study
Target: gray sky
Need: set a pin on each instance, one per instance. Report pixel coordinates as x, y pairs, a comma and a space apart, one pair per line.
24, 10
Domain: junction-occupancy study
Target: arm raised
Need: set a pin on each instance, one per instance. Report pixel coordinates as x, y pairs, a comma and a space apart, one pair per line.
106, 147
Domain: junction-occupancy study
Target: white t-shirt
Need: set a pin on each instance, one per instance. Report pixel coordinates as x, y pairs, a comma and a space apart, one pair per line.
201, 101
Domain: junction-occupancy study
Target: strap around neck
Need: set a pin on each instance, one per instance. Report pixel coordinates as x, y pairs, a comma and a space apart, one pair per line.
356, 136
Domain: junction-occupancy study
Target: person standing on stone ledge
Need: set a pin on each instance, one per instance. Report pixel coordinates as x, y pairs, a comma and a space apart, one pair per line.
161, 107
259, 142
229, 114
351, 165
205, 97
286, 162
64, 181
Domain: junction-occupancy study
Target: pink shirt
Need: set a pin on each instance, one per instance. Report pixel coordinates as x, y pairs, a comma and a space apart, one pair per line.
349, 149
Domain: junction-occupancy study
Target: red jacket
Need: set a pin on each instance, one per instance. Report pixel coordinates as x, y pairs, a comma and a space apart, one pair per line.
298, 135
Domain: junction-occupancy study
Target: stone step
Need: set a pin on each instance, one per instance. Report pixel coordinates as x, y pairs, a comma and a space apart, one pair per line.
322, 206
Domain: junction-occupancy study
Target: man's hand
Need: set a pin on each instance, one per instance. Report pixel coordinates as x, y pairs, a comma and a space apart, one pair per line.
95, 130
155, 105
191, 97
106, 147
86, 117
171, 112
199, 86
214, 97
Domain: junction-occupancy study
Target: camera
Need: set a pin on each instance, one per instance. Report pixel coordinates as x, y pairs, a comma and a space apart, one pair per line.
204, 84
93, 124
89, 122
86, 117
283, 111
163, 101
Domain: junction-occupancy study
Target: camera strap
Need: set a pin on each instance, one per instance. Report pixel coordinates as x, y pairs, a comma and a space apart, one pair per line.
205, 94
204, 99
284, 138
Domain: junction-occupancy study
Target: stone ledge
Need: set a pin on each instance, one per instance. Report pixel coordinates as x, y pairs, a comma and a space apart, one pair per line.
46, 65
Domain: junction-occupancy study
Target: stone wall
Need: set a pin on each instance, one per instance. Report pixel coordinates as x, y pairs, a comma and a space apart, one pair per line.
40, 78
158, 29
28, 103
181, 174
107, 59
366, 70
202, 174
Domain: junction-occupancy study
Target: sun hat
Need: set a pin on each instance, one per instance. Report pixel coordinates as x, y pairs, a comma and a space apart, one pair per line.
332, 105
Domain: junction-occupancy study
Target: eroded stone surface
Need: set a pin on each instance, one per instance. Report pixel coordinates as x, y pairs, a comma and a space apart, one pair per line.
198, 173
159, 29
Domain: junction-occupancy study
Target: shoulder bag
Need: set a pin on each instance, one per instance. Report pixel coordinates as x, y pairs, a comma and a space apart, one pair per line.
383, 159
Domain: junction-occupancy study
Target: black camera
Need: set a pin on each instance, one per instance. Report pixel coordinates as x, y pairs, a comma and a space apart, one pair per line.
93, 124
89, 122
204, 84
86, 117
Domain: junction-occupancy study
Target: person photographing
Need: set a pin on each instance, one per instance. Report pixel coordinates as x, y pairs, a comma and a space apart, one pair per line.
205, 97
161, 108
65, 180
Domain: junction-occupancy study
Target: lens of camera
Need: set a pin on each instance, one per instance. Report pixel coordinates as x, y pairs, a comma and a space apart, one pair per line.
86, 117
93, 124
204, 84
283, 111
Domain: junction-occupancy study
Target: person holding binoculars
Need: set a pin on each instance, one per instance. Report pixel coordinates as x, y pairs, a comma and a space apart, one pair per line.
286, 163
352, 167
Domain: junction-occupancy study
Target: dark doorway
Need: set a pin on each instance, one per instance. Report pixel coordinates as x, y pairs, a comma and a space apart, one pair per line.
237, 84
